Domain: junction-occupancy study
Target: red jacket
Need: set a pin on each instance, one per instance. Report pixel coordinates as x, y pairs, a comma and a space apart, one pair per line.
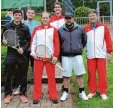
56, 21
48, 37
98, 41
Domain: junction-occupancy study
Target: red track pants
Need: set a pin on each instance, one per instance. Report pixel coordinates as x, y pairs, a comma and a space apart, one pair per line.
97, 64
38, 72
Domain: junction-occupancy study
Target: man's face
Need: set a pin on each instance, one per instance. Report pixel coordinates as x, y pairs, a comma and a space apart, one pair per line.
69, 20
45, 18
30, 14
17, 17
93, 18
57, 9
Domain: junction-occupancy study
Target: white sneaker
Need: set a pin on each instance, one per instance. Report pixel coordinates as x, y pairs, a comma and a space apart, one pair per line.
83, 96
17, 91
104, 96
64, 96
90, 95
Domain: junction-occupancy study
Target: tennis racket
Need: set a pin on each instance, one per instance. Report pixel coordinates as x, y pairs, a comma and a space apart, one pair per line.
12, 39
44, 54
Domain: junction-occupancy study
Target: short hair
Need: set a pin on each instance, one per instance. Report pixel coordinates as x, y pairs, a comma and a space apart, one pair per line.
57, 3
45, 13
17, 11
30, 9
92, 11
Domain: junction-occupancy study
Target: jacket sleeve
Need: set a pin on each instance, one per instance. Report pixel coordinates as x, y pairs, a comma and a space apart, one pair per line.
108, 40
56, 43
33, 41
28, 38
84, 38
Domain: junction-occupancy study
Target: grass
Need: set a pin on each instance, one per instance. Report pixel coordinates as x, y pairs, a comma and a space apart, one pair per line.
37, 18
95, 102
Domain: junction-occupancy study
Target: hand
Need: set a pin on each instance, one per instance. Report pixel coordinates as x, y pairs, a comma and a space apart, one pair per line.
4, 42
34, 56
54, 60
20, 51
109, 56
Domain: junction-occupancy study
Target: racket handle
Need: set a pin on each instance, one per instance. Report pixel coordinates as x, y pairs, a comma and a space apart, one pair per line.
24, 56
59, 67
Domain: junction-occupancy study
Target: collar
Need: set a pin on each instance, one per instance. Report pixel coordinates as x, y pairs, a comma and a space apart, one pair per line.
75, 26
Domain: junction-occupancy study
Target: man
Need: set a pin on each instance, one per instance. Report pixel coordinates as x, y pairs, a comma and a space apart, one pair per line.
31, 25
98, 46
72, 41
30, 22
8, 17
57, 20
48, 36
17, 57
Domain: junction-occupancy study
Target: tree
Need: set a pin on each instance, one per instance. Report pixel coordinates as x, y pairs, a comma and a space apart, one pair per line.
81, 11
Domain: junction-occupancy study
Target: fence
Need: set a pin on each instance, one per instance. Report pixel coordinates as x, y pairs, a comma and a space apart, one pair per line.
104, 19
84, 20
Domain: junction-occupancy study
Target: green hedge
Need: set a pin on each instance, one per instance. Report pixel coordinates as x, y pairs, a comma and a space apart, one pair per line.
3, 55
3, 14
81, 12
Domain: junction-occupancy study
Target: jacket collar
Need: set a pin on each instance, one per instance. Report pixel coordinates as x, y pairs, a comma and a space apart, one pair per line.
14, 25
97, 24
42, 26
75, 26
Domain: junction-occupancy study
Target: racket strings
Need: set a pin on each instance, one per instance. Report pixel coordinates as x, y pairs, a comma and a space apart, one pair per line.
11, 37
43, 52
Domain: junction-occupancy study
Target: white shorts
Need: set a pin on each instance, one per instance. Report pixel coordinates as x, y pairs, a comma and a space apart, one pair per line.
70, 63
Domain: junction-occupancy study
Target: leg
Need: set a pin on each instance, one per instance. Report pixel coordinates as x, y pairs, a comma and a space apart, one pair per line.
66, 82
102, 81
80, 81
92, 84
38, 71
79, 70
22, 72
9, 68
50, 69
67, 65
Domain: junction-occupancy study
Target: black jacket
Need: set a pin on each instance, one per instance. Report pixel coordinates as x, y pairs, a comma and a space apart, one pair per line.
72, 42
23, 33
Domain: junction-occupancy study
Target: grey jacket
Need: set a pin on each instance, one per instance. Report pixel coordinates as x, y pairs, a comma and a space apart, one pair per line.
72, 42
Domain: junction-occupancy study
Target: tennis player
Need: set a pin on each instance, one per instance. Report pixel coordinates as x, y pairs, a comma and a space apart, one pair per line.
48, 36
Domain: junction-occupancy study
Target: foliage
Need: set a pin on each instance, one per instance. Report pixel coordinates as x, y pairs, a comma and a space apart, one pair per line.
3, 14
81, 12
104, 9
3, 55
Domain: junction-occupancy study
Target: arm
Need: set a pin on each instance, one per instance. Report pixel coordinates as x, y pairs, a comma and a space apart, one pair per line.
108, 40
33, 42
56, 44
28, 38
84, 38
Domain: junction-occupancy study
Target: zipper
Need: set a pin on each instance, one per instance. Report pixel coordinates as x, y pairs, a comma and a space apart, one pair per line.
58, 22
70, 43
45, 43
94, 44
